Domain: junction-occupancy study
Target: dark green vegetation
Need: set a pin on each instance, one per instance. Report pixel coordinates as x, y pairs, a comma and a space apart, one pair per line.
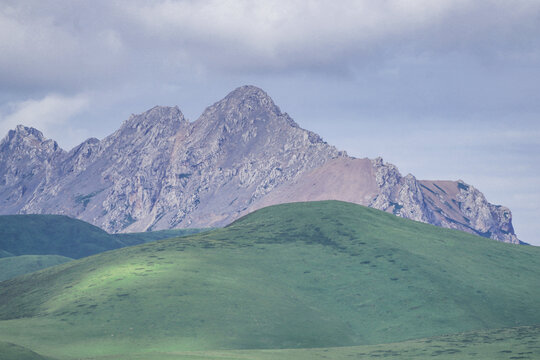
62, 235
13, 266
33, 242
304, 275
10, 351
499, 344
52, 235
130, 239
5, 254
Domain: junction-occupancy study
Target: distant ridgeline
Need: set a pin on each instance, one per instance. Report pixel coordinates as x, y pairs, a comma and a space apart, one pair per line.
160, 171
293, 276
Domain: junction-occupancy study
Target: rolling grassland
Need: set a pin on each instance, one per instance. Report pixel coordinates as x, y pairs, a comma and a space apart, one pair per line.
301, 277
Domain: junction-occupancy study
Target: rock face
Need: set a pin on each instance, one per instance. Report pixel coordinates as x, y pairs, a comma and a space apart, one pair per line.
457, 205
159, 171
27, 166
450, 204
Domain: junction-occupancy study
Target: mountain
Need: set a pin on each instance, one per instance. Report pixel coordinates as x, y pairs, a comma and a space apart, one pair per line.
160, 171
28, 162
449, 204
302, 275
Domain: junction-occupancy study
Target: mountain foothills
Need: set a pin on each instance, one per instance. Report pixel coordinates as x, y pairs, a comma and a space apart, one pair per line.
52, 235
33, 242
14, 266
64, 236
160, 171
301, 275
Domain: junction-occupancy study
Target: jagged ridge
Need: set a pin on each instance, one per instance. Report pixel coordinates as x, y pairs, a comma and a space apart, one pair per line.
159, 171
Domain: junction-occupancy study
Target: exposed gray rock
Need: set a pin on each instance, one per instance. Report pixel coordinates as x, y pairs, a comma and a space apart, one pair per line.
159, 171
28, 162
457, 205
450, 204
399, 195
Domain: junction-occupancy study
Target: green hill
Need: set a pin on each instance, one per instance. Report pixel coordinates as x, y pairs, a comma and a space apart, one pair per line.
10, 351
303, 275
13, 266
494, 344
4, 254
65, 236
53, 235
34, 242
130, 239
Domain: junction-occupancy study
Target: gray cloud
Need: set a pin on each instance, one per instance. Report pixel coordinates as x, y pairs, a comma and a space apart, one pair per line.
77, 44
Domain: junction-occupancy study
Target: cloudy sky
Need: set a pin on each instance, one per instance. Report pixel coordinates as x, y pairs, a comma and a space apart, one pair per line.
445, 89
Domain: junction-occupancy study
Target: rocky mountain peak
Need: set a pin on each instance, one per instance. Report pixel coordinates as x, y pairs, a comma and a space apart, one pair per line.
27, 162
159, 171
85, 147
23, 134
22, 130
25, 139
243, 106
251, 97
149, 127
78, 157
164, 117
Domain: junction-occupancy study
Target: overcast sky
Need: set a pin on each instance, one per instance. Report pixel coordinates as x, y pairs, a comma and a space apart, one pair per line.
446, 89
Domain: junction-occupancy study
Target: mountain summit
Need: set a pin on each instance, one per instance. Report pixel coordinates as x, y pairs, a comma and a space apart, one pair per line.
160, 171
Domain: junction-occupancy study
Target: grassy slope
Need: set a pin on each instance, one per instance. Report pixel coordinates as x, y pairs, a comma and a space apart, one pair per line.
10, 351
13, 266
52, 235
62, 235
290, 276
130, 239
499, 344
35, 242
4, 254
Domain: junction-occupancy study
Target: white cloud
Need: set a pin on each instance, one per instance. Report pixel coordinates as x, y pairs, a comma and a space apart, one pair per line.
50, 115
290, 34
283, 33
43, 47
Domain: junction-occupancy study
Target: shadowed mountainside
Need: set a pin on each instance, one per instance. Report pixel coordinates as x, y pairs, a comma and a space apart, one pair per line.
53, 235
